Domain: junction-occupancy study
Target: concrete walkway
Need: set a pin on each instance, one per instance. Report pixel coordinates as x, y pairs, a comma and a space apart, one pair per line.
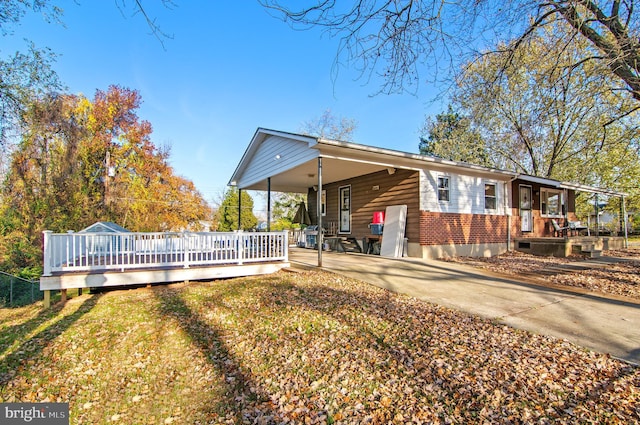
601, 324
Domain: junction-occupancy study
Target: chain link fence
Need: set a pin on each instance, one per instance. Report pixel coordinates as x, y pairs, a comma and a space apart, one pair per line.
16, 291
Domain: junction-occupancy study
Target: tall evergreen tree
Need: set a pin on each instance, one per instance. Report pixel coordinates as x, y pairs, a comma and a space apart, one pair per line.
226, 218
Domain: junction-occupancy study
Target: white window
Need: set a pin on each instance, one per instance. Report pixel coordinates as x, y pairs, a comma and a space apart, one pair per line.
443, 188
551, 203
489, 196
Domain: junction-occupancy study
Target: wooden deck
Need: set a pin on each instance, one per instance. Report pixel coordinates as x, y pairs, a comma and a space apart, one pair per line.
98, 260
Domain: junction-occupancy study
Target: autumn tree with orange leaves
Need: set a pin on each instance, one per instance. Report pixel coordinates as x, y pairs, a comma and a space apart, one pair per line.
81, 161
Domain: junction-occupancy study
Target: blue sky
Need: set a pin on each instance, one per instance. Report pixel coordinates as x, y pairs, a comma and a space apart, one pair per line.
229, 68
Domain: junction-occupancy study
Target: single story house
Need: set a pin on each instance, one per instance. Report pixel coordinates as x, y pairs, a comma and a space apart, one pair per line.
452, 208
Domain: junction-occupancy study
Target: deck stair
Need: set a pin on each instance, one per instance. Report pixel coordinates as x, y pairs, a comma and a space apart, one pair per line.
344, 244
351, 245
587, 249
592, 253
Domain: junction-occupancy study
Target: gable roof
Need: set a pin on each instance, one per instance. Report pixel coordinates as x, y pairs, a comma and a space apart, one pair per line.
104, 227
290, 161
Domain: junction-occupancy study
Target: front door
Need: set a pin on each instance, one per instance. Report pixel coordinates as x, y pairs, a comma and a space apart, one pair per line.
345, 209
526, 208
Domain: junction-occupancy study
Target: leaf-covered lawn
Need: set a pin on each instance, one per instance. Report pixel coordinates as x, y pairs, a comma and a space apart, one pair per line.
621, 278
308, 347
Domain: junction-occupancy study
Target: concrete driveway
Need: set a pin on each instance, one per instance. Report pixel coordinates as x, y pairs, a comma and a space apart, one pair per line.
601, 324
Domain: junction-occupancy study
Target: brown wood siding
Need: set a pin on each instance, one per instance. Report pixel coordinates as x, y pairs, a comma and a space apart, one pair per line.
401, 188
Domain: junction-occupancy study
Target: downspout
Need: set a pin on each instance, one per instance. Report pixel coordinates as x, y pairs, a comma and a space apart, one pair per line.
319, 211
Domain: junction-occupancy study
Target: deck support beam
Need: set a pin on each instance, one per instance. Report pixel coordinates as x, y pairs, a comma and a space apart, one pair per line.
47, 299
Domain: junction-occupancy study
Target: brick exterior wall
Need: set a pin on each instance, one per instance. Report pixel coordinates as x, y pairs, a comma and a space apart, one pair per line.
452, 228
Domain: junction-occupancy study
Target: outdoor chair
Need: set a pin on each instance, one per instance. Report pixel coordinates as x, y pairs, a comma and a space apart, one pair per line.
576, 227
558, 230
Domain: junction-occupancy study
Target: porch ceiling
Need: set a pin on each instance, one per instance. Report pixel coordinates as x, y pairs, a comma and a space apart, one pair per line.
299, 179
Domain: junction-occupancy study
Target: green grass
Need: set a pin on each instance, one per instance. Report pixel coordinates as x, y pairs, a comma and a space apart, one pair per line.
300, 348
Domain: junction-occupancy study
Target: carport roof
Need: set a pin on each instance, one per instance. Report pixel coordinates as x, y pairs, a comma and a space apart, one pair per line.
568, 185
344, 160
341, 161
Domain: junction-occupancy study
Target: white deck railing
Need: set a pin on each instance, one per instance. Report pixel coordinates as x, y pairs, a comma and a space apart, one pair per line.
72, 252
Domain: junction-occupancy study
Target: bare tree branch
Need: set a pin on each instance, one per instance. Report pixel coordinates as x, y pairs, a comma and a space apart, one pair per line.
398, 41
152, 22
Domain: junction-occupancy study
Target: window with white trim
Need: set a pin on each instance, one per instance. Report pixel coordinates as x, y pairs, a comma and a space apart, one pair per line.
443, 188
551, 202
490, 196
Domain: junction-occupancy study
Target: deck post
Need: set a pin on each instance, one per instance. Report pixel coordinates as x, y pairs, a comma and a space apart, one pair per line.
47, 299
240, 245
285, 236
63, 296
185, 249
46, 267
